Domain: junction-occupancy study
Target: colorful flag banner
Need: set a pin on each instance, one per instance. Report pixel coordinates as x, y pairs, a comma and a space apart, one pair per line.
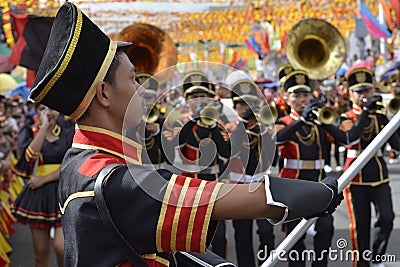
376, 29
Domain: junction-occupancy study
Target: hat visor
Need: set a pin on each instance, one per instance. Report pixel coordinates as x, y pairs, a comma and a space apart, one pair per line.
124, 45
245, 98
198, 89
299, 89
360, 88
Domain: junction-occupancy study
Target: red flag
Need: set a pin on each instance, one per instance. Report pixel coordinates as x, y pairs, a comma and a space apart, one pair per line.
33, 33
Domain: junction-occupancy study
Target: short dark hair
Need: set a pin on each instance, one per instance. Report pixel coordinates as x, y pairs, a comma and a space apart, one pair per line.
110, 75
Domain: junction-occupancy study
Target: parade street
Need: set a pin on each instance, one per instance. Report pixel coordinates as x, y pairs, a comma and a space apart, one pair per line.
22, 255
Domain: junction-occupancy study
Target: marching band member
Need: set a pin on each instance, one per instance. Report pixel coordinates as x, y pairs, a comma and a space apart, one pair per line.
198, 158
371, 184
252, 153
302, 140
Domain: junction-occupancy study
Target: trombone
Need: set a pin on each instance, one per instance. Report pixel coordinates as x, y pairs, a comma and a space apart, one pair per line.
394, 104
152, 113
325, 115
209, 114
268, 114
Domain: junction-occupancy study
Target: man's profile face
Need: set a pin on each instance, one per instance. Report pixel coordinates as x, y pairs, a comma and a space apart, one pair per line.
128, 98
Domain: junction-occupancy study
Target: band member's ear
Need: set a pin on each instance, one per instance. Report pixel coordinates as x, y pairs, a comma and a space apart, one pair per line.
102, 94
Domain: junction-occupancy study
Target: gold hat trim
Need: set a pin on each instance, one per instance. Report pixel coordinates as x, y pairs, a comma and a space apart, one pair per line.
112, 49
150, 91
293, 88
361, 85
66, 60
186, 77
360, 70
281, 68
203, 88
240, 98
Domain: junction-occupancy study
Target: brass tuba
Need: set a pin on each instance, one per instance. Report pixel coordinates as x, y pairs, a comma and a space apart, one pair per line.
152, 50
315, 46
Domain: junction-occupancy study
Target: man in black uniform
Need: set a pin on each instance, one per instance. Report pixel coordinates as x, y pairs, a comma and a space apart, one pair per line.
252, 153
371, 184
200, 160
104, 193
302, 140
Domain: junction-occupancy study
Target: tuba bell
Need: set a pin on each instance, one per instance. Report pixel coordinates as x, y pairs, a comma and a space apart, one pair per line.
315, 46
152, 50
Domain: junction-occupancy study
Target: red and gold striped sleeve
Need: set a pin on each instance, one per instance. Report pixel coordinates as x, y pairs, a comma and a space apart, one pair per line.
185, 214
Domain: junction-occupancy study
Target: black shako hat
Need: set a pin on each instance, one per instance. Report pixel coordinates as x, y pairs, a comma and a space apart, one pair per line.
283, 71
297, 81
244, 90
149, 82
196, 81
77, 57
360, 79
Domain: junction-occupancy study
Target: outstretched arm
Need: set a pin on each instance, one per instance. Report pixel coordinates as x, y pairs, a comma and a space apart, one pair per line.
271, 200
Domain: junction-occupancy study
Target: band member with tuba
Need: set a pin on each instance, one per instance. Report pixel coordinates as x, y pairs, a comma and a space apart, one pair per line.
148, 132
302, 137
371, 184
252, 153
135, 215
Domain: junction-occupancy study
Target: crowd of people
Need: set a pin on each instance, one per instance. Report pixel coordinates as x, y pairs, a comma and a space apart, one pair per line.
190, 131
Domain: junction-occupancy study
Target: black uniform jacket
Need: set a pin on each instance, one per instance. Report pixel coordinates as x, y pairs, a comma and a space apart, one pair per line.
156, 211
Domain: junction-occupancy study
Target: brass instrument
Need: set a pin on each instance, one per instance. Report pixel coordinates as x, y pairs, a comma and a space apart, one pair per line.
384, 86
152, 114
326, 115
394, 104
315, 46
152, 50
209, 115
268, 114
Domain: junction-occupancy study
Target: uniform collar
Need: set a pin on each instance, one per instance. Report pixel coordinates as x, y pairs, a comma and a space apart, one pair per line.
294, 115
87, 137
357, 109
